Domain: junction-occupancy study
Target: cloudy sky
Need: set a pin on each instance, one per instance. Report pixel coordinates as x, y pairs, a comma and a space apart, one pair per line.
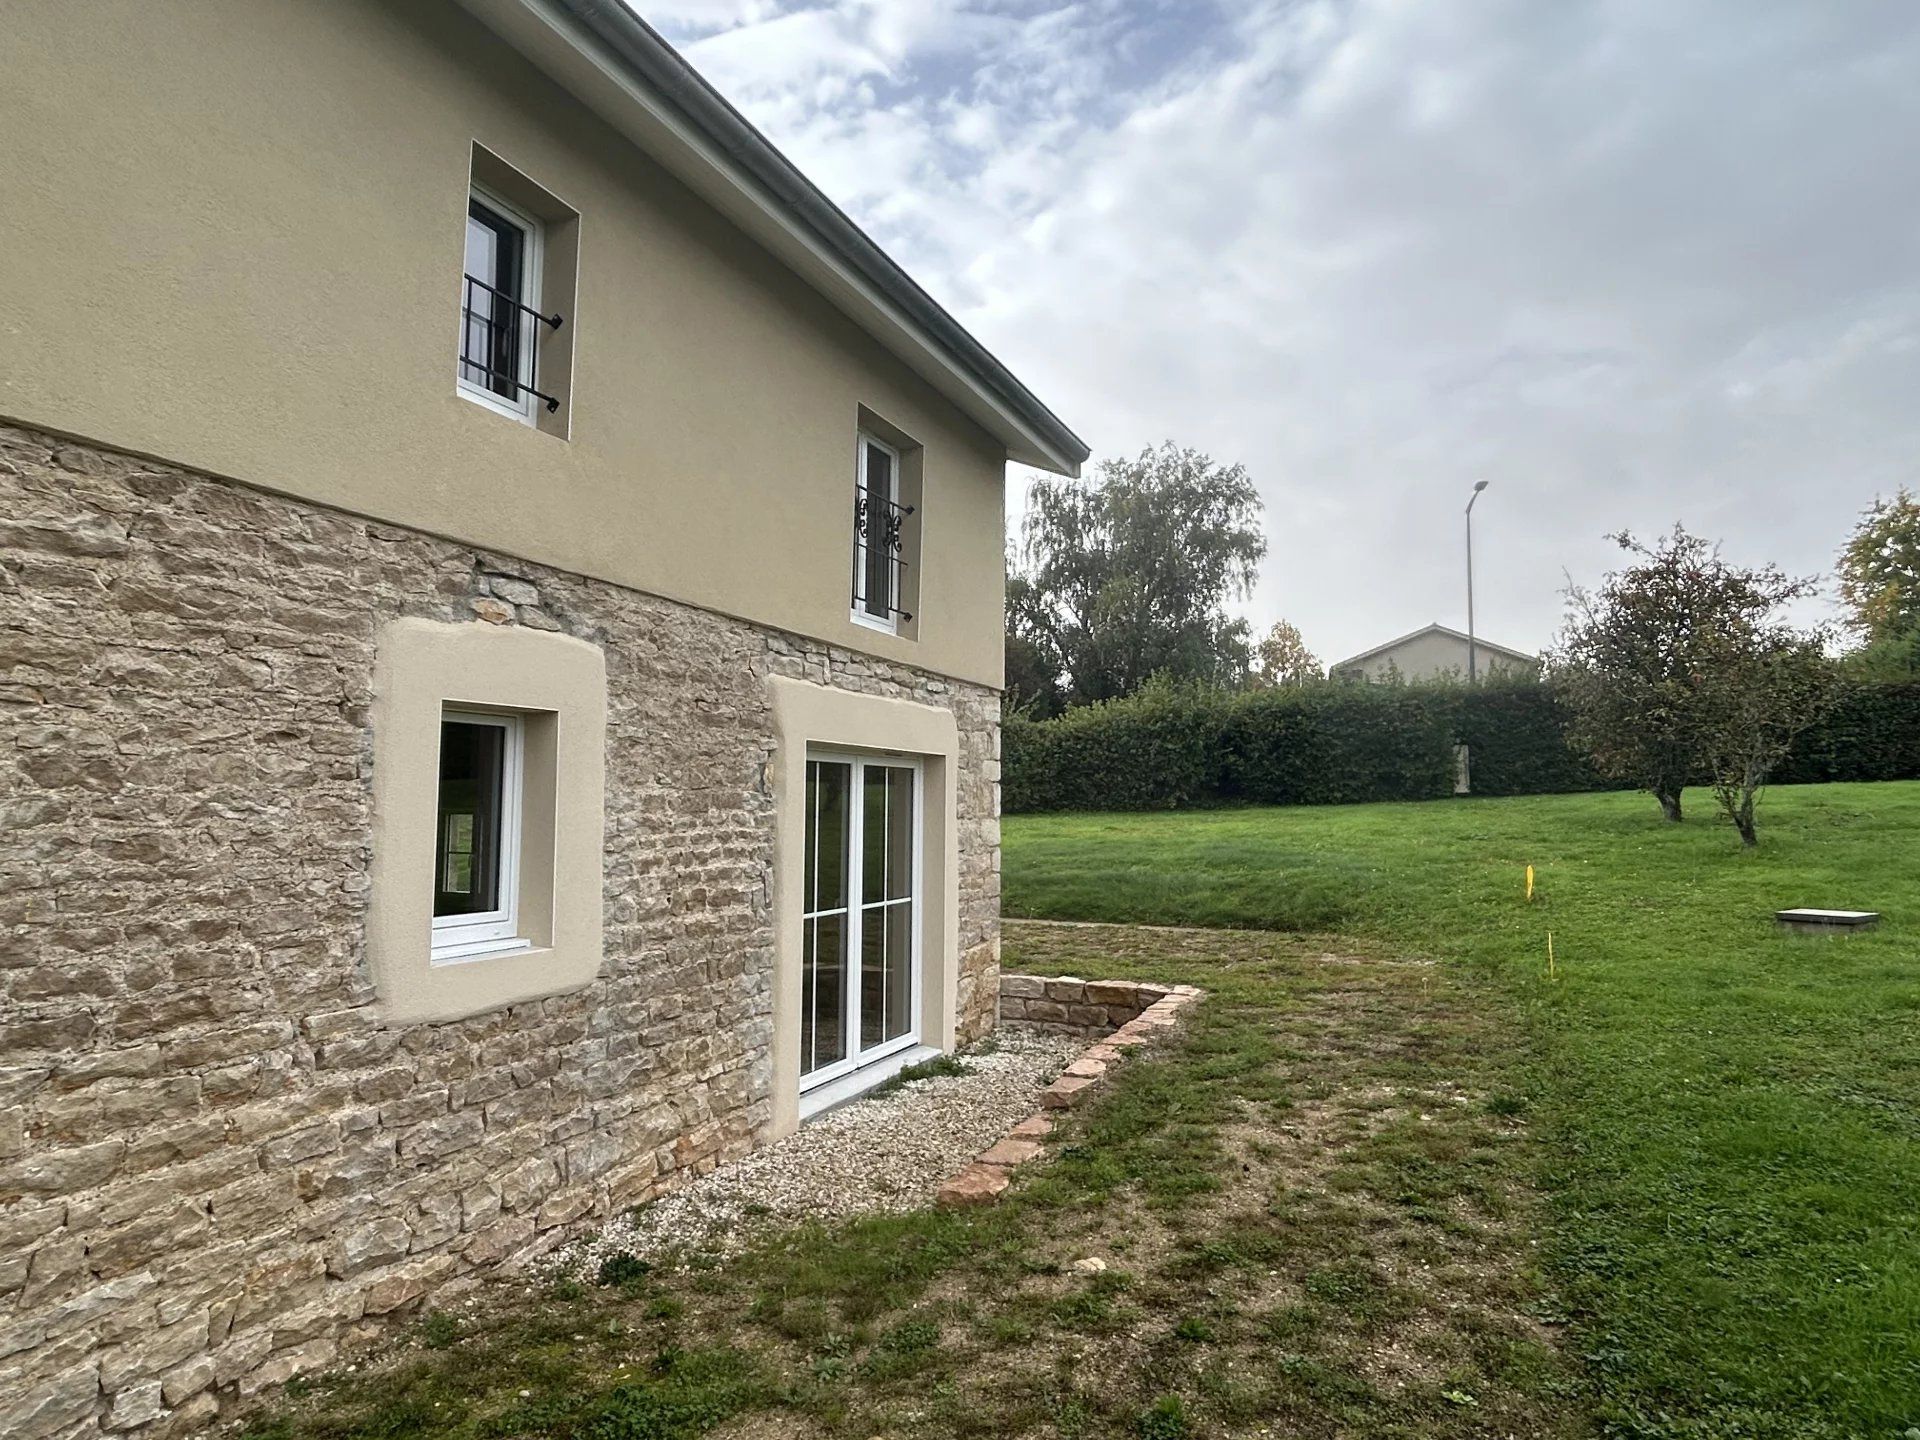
1631, 261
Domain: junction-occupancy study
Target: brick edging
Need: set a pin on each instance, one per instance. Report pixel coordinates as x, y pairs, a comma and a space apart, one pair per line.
984, 1180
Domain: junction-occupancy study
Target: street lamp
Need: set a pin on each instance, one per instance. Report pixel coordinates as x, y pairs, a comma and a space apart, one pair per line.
1473, 650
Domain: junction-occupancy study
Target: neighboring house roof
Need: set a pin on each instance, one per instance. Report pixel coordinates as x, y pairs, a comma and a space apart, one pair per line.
1479, 643
618, 66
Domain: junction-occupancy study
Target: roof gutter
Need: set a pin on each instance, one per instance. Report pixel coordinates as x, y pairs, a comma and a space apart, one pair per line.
869, 284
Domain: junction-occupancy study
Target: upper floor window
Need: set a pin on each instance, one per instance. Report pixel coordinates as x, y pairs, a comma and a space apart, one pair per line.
879, 537
502, 326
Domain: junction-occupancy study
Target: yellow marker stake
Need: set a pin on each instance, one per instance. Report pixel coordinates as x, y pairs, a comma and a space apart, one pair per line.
1550, 971
1529, 884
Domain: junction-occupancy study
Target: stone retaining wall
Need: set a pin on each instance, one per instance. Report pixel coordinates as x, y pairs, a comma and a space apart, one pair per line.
1160, 1009
1070, 1006
217, 1167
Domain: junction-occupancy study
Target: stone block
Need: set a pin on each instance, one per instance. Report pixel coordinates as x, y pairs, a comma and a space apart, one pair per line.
446, 1135
526, 1185
171, 1225
134, 1406
497, 1241
1010, 1151
1065, 1093
184, 1381
367, 1246
152, 1352
282, 1366
195, 1417
290, 1149
51, 1406
62, 1170
564, 1206
247, 1205
976, 1185
1036, 1126
407, 1284
1022, 987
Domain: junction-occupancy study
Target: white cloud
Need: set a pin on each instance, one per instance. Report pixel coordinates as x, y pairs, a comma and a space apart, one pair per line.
1631, 261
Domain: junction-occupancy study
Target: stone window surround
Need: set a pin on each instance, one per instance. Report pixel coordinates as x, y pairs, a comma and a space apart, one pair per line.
559, 684
808, 716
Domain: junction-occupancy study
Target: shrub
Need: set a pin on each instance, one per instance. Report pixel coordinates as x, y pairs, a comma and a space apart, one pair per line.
1873, 733
1515, 729
1156, 750
623, 1268
1336, 744
1165, 1419
1176, 746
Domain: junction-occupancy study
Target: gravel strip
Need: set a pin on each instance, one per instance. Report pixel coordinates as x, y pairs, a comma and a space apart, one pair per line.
880, 1154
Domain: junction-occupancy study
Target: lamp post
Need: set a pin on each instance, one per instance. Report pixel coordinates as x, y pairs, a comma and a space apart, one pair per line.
1473, 649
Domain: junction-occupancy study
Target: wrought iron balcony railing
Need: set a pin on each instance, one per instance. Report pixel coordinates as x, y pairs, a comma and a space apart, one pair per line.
880, 565
500, 343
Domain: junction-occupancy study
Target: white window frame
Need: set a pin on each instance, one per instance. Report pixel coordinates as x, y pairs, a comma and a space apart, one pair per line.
496, 931
856, 1058
890, 623
532, 266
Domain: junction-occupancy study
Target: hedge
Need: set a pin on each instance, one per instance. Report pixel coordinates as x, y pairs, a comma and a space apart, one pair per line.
1332, 745
1515, 731
1153, 751
1170, 747
1873, 733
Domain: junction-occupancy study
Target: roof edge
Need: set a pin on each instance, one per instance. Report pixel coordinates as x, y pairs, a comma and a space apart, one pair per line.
710, 131
1437, 627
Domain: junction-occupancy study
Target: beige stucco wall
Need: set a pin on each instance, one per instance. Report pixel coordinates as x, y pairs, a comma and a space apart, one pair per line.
234, 236
1428, 656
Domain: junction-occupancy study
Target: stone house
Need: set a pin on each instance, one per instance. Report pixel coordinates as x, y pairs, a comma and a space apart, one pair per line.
499, 669
1434, 652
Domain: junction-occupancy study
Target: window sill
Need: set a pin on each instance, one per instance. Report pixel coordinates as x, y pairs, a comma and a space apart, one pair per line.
855, 1083
487, 400
867, 622
478, 950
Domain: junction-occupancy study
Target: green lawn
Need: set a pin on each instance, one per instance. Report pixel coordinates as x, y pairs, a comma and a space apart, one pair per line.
1725, 1120
1311, 1204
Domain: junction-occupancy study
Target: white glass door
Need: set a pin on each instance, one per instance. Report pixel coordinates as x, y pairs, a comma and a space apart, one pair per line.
860, 973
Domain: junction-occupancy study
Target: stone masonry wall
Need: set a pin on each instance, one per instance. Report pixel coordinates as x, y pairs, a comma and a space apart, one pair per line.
216, 1167
1067, 1005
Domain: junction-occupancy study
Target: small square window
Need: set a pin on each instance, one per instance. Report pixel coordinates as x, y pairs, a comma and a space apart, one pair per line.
476, 879
503, 329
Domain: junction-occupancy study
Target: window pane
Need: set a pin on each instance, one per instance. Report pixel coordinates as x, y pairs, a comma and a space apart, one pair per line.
876, 583
887, 865
873, 977
826, 978
886, 972
483, 251
900, 822
879, 473
491, 336
829, 793
899, 928
472, 782
809, 942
